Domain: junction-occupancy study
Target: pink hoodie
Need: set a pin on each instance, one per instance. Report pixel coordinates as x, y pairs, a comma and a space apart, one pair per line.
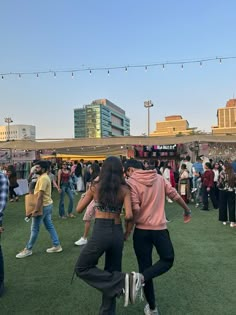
148, 192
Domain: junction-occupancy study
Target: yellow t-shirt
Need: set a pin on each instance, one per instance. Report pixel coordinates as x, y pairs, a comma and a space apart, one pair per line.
44, 184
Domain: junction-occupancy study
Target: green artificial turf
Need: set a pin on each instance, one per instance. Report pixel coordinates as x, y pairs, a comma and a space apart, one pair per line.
202, 280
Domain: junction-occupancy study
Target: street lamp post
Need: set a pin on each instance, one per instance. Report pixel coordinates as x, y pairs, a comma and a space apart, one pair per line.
148, 104
8, 120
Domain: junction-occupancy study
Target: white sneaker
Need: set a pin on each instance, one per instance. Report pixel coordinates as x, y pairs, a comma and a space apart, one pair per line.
81, 241
148, 311
24, 253
232, 224
135, 286
224, 223
54, 249
126, 290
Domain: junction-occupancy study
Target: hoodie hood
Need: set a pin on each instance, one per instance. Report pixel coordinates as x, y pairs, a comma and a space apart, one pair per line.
144, 177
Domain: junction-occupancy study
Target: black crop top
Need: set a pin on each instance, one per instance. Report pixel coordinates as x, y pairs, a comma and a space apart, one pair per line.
107, 208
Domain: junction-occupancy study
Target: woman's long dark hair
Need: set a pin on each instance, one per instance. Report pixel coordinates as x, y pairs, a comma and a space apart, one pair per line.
95, 171
110, 180
230, 174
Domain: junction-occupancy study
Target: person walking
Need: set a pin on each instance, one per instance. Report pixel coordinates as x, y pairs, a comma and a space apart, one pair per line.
109, 193
208, 187
3, 201
11, 173
90, 211
65, 182
227, 186
44, 200
148, 193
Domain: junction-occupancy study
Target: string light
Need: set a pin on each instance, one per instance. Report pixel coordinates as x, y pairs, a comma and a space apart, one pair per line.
200, 64
72, 75
108, 72
145, 66
2, 77
182, 67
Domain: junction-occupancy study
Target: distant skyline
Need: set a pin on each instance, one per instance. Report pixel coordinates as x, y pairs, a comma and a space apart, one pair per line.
66, 35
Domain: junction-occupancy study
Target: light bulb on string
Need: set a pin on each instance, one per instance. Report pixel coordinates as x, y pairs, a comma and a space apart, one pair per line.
90, 72
2, 77
108, 72
220, 60
146, 68
19, 75
126, 69
200, 64
55, 74
37, 75
72, 75
182, 67
163, 66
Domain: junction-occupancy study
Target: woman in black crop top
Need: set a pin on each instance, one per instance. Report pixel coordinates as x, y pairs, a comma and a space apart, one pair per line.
110, 193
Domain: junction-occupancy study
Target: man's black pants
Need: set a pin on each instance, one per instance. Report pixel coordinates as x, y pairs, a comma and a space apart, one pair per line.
144, 241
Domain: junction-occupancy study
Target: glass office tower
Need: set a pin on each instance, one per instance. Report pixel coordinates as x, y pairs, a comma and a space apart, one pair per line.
100, 119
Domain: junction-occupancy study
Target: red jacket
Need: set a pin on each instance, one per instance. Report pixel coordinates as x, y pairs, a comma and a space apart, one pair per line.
208, 178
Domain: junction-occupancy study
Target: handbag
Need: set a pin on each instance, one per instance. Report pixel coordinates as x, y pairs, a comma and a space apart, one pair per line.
30, 205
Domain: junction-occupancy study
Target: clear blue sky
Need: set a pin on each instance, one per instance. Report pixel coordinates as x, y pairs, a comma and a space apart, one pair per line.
67, 34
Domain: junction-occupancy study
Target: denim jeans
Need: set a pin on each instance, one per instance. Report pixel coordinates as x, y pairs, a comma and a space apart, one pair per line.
1, 267
108, 238
144, 241
65, 189
46, 218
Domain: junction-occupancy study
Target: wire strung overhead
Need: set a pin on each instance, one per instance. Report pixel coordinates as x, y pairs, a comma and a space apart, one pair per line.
146, 66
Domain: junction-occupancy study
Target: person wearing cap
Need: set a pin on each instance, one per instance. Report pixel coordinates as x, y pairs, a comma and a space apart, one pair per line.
43, 190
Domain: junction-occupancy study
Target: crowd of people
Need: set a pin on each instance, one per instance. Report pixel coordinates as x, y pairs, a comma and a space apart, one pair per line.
118, 189
111, 195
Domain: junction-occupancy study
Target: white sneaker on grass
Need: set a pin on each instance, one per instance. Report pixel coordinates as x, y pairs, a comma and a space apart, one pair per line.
54, 249
126, 290
81, 241
24, 253
135, 286
148, 311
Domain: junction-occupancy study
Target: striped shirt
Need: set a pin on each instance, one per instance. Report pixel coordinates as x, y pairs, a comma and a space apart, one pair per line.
3, 194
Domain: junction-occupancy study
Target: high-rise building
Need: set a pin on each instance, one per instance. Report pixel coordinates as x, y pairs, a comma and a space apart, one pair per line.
171, 126
226, 117
17, 132
100, 119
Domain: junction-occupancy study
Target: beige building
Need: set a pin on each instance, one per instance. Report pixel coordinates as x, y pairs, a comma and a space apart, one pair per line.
226, 119
171, 126
17, 132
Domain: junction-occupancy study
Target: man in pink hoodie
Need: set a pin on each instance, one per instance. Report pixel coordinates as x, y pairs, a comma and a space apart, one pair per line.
148, 193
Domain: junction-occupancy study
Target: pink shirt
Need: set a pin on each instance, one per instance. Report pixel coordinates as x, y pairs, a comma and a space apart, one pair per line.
148, 192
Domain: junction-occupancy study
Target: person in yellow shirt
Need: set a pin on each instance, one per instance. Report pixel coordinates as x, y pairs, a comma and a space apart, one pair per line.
44, 200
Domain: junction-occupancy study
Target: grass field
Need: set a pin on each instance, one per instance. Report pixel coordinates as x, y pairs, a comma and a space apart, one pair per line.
202, 280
